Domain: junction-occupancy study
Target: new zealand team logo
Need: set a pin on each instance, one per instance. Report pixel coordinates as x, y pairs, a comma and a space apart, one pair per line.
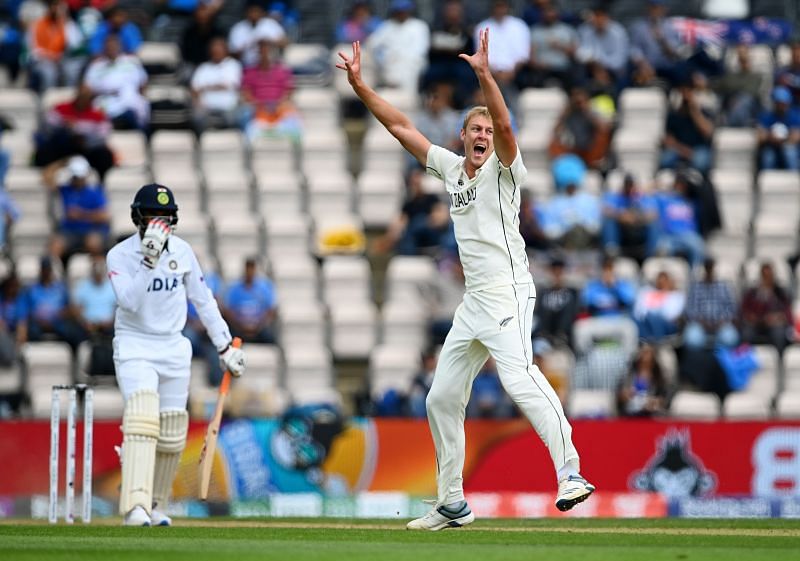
675, 470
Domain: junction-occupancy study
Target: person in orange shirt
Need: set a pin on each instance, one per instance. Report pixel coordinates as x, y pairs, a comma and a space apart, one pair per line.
47, 41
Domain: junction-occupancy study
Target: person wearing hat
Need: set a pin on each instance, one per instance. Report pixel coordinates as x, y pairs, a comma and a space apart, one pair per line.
399, 47
85, 218
154, 275
779, 133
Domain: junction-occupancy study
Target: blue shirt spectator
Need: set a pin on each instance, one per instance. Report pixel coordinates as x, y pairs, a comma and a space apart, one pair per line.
779, 133
250, 306
116, 23
679, 232
94, 299
630, 221
85, 215
608, 295
358, 25
12, 302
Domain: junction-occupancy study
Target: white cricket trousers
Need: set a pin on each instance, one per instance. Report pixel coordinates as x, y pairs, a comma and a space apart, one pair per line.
494, 322
161, 364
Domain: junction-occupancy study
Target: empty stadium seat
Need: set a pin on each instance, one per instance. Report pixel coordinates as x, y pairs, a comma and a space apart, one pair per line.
591, 403
47, 363
392, 366
694, 405
353, 328
746, 406
787, 405
259, 393
735, 148
346, 278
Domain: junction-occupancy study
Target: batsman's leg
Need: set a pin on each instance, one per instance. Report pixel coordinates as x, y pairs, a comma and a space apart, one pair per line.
140, 429
171, 440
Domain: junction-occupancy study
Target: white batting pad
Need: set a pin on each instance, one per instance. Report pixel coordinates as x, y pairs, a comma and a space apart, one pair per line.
171, 440
140, 429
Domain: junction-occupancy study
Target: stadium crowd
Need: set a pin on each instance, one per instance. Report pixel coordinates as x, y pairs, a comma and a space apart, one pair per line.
634, 298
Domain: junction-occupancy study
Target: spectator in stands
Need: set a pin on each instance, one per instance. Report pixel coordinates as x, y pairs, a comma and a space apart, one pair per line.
658, 309
608, 295
245, 37
571, 219
47, 312
75, 128
250, 306
643, 391
741, 91
94, 302
11, 40
511, 47
449, 38
116, 23
359, 23
688, 133
789, 75
11, 309
529, 227
118, 81
581, 130
422, 224
779, 133
630, 221
215, 89
86, 221
399, 47
266, 92
557, 307
679, 232
438, 119
195, 331
9, 213
421, 384
654, 45
488, 400
47, 46
603, 44
767, 311
198, 35
553, 46
710, 312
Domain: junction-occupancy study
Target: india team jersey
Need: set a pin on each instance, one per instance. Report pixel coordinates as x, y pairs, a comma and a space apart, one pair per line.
154, 302
485, 213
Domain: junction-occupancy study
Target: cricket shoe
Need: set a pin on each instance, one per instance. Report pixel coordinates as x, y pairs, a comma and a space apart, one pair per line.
572, 490
137, 516
158, 518
453, 516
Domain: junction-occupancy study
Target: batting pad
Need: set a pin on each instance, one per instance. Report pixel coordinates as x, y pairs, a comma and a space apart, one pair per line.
140, 429
171, 440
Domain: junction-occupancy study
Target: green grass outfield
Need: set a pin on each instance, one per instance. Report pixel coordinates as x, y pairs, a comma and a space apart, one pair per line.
387, 540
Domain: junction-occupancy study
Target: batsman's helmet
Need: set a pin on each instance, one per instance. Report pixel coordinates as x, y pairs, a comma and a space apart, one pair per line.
153, 200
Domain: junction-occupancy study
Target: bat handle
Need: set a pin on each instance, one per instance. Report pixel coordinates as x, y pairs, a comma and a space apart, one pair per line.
226, 377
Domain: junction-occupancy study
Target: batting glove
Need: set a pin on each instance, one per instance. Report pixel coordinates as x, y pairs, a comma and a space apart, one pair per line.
153, 241
233, 360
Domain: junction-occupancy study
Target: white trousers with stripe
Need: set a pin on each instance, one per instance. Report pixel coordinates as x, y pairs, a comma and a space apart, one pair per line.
494, 322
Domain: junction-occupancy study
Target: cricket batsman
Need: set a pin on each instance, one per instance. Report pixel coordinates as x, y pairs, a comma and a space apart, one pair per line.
153, 272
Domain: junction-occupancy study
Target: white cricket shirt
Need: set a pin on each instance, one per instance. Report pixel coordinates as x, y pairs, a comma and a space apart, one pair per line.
485, 213
154, 302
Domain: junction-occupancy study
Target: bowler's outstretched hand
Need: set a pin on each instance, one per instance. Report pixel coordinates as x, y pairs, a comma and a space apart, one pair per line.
479, 61
352, 65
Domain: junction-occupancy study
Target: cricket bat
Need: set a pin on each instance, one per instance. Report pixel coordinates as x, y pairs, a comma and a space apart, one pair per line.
212, 432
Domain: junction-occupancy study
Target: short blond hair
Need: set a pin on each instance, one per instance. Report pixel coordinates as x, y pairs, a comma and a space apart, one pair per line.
478, 110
